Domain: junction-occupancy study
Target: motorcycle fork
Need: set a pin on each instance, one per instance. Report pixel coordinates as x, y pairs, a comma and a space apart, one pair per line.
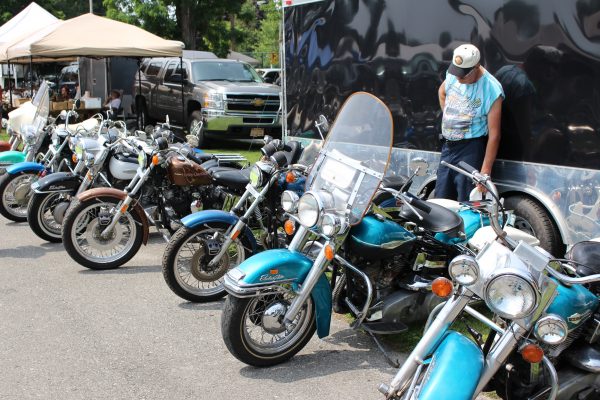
233, 232
123, 205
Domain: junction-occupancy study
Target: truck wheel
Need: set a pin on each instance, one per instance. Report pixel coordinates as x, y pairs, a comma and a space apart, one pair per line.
195, 128
142, 115
532, 217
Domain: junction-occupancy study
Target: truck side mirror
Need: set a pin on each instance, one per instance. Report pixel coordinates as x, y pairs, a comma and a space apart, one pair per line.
177, 78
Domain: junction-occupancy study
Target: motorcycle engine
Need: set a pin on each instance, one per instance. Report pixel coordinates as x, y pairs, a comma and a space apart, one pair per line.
178, 199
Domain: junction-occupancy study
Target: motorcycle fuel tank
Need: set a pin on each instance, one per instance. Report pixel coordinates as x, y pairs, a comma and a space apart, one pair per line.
123, 168
379, 238
575, 304
185, 173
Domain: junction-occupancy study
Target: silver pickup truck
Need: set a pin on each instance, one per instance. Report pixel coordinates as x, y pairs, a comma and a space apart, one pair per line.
221, 98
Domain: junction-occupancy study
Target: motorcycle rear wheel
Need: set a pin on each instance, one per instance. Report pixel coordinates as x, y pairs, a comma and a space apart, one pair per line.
81, 229
15, 193
252, 331
185, 264
40, 216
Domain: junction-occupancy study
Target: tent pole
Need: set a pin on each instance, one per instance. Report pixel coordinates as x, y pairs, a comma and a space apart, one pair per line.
138, 107
9, 85
31, 75
182, 97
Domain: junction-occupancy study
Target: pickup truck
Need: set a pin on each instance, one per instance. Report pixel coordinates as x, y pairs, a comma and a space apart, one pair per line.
221, 98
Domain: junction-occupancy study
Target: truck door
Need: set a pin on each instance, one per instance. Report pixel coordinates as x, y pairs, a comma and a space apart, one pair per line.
153, 77
171, 90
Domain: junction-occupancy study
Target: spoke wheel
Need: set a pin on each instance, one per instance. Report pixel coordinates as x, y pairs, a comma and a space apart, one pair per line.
45, 214
16, 191
186, 261
254, 331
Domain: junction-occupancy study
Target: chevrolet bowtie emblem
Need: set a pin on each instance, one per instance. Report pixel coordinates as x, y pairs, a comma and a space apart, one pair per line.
258, 102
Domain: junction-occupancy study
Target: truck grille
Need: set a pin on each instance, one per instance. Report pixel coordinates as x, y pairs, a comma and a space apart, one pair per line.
252, 103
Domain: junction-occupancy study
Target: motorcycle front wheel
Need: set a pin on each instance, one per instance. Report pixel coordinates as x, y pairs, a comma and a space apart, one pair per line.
15, 191
254, 333
186, 258
45, 214
82, 228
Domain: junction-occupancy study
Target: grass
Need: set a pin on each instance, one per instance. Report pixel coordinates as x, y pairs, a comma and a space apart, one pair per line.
248, 149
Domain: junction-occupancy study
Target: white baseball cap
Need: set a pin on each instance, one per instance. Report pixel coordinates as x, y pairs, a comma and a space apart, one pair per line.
464, 59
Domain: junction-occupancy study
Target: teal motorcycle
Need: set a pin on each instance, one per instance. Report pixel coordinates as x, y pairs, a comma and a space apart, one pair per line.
543, 338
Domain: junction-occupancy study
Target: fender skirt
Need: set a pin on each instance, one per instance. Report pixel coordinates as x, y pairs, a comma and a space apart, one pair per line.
281, 265
120, 195
25, 166
454, 370
208, 216
58, 182
12, 157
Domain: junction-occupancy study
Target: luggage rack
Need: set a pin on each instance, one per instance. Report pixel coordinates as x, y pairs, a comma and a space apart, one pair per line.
230, 157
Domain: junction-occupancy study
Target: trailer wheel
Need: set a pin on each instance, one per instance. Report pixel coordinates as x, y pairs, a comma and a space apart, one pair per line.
532, 217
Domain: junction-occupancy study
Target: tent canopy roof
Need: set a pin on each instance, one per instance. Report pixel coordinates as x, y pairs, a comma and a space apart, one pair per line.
29, 20
90, 35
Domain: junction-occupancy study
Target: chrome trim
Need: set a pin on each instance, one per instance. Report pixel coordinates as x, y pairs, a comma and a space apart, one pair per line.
236, 290
482, 318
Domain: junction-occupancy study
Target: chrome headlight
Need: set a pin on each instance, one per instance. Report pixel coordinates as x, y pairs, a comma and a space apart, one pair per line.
80, 149
289, 201
331, 224
551, 329
256, 176
142, 159
311, 207
511, 295
28, 133
464, 270
213, 100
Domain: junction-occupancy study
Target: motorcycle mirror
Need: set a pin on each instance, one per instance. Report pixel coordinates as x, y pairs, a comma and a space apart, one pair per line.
63, 114
4, 123
267, 139
419, 166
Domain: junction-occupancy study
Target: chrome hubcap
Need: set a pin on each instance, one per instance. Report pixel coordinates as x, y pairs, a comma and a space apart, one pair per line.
273, 317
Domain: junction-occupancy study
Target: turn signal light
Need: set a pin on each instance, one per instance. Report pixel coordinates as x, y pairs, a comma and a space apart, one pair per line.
290, 177
442, 287
74, 158
155, 159
124, 208
329, 254
532, 353
235, 234
290, 227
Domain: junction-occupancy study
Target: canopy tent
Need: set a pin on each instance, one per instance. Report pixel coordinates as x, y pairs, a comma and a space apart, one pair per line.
90, 35
32, 18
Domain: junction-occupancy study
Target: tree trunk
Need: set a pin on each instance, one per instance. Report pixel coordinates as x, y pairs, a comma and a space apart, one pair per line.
184, 12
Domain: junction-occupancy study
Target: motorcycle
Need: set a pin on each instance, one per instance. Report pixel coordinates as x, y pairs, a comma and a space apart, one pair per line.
107, 164
543, 337
211, 242
105, 227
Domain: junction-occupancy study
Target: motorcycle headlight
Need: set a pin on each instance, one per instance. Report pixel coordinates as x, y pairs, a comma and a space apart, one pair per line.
464, 270
256, 176
289, 201
331, 224
551, 329
28, 133
142, 159
213, 100
80, 149
511, 295
55, 140
311, 207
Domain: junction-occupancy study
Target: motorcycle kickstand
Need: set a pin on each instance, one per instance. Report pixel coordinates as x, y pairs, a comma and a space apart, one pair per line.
386, 353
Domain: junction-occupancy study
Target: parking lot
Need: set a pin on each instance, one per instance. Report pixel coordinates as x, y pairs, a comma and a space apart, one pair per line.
72, 333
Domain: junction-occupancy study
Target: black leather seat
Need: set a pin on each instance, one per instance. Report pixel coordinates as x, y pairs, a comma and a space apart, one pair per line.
439, 219
588, 254
126, 158
233, 178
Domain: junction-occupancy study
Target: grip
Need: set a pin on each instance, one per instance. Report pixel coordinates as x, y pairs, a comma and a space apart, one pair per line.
418, 203
467, 167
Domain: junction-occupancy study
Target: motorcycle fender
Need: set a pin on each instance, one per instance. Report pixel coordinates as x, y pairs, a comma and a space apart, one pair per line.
208, 216
282, 265
120, 195
11, 157
58, 182
26, 166
458, 361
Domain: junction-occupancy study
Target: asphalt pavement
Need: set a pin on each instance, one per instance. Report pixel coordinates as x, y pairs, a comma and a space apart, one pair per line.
67, 332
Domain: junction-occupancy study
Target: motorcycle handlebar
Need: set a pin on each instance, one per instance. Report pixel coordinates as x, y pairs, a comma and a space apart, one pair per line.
416, 202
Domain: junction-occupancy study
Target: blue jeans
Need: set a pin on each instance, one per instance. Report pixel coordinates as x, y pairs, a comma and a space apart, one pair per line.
450, 184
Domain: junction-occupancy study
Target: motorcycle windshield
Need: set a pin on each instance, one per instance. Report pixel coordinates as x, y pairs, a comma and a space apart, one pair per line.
42, 102
355, 156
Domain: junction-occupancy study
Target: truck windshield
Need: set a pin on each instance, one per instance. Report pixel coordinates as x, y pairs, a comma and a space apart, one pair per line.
224, 71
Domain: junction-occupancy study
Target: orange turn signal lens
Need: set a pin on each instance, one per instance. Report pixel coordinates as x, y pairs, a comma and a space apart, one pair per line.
329, 254
532, 353
235, 235
290, 177
124, 208
442, 287
155, 159
74, 158
290, 227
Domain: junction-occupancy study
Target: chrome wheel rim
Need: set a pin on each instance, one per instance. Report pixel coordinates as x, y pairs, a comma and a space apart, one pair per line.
190, 266
195, 127
86, 238
260, 329
523, 225
15, 197
46, 214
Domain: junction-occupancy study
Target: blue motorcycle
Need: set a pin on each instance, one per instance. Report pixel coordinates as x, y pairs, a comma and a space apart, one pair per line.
544, 334
211, 242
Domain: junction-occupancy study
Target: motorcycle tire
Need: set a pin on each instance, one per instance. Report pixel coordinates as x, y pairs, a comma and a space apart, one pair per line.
73, 228
175, 276
36, 210
16, 214
233, 322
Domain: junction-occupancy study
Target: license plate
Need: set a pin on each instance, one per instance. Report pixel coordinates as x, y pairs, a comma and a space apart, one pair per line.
257, 132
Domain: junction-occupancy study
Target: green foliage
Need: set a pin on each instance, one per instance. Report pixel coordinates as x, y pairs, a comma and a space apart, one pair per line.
63, 9
151, 15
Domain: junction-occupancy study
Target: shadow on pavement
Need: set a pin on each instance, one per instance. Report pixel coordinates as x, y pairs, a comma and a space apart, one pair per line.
125, 270
30, 251
213, 305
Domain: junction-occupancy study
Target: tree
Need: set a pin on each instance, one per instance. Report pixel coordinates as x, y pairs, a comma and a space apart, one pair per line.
151, 15
63, 9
